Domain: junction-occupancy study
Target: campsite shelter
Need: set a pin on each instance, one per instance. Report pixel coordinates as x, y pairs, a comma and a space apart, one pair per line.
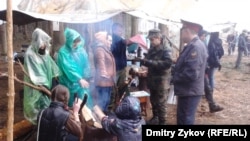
87, 11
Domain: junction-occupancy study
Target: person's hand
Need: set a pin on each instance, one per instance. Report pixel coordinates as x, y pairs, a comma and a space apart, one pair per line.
84, 83
143, 74
76, 105
174, 60
105, 76
76, 108
138, 59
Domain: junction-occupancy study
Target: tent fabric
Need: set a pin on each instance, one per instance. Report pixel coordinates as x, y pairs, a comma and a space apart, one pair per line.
161, 11
20, 18
90, 11
140, 40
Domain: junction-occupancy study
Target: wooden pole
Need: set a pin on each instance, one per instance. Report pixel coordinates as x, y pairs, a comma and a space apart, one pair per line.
11, 91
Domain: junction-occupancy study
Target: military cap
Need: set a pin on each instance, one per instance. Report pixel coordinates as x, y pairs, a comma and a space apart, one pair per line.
154, 33
193, 26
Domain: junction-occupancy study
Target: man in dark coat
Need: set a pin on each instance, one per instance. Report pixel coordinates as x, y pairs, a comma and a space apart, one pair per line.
158, 61
189, 72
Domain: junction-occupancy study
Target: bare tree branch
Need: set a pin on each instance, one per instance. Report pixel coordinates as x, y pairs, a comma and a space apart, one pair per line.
24, 71
40, 88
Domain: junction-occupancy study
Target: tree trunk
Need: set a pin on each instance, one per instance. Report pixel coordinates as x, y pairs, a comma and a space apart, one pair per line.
134, 24
3, 40
164, 29
25, 32
21, 128
58, 39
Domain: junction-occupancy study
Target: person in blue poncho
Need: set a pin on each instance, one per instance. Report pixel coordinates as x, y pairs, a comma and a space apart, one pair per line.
73, 61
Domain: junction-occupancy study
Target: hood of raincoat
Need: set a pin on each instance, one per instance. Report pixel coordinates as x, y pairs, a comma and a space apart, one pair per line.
40, 38
129, 108
70, 36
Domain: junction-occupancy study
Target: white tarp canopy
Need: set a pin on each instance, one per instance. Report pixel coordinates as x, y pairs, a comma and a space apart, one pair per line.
89, 11
206, 12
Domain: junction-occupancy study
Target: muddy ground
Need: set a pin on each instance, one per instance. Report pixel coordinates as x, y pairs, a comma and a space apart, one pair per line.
232, 91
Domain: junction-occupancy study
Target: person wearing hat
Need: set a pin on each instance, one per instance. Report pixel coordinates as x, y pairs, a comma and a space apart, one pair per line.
188, 74
126, 122
158, 61
242, 48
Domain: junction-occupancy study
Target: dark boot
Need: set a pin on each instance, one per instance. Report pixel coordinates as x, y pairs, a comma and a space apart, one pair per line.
162, 121
215, 108
153, 121
163, 116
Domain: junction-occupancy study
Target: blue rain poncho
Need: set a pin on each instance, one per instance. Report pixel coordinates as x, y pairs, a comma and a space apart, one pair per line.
74, 64
41, 69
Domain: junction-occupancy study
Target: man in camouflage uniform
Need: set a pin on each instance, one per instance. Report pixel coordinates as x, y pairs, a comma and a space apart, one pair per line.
158, 60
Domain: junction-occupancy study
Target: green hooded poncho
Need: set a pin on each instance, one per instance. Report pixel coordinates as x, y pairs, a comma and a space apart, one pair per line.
41, 69
74, 64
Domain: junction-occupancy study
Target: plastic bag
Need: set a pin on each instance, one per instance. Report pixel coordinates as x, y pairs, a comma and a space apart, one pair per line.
171, 97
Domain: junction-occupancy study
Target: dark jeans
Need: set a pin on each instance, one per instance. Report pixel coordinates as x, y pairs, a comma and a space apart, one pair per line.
239, 57
103, 97
71, 137
210, 74
231, 48
186, 109
208, 91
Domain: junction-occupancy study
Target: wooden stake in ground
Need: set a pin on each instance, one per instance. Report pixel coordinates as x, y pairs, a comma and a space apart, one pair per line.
11, 91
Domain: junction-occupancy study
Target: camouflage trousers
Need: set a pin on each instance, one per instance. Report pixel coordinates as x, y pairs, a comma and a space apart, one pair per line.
158, 100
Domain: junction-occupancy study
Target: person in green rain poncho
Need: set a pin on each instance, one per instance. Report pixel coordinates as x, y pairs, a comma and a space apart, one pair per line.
41, 69
73, 61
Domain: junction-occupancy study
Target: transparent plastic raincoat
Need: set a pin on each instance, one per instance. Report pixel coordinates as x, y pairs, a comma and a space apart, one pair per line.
74, 64
41, 69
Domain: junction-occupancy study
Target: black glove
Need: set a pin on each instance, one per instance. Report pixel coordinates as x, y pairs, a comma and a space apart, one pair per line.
172, 81
55, 82
219, 68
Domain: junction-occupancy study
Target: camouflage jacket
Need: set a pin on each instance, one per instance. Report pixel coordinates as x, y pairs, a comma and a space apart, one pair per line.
159, 61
